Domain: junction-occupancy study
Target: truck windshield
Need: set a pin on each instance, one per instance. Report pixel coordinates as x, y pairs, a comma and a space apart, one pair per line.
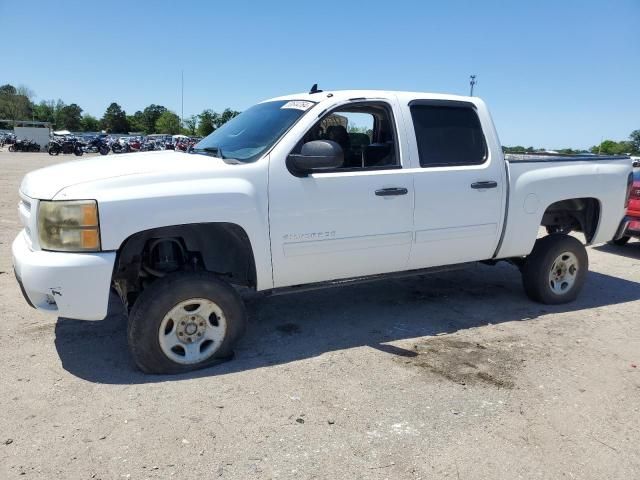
254, 131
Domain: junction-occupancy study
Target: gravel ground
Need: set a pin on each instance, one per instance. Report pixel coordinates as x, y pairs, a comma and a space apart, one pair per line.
455, 375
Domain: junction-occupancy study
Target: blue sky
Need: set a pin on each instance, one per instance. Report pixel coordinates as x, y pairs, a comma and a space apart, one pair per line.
554, 73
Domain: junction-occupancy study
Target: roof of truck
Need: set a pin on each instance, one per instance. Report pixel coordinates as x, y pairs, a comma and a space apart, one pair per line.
355, 94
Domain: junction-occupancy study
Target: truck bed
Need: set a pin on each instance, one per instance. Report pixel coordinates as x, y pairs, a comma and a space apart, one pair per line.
535, 181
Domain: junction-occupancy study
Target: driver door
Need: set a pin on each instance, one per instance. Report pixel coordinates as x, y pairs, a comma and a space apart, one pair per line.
354, 221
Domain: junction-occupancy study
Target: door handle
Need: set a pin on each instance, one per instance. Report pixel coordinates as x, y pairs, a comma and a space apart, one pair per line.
481, 185
387, 192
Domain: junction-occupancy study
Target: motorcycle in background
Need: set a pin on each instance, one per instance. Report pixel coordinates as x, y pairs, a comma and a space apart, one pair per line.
56, 147
97, 145
120, 147
24, 146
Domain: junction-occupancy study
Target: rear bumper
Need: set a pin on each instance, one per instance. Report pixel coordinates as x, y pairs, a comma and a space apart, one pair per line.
633, 229
72, 285
622, 228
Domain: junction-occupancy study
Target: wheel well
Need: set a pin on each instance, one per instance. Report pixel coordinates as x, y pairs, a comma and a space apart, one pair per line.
221, 248
575, 214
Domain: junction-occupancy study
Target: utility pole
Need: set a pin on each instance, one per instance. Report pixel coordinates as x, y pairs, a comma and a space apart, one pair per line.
182, 99
472, 82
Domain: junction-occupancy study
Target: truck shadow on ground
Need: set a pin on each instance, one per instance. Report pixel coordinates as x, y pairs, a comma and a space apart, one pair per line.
630, 250
293, 327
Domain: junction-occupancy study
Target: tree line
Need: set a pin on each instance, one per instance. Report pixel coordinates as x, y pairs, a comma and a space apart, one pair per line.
606, 147
16, 104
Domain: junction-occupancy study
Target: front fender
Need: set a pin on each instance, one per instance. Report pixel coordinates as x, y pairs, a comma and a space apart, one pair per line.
127, 207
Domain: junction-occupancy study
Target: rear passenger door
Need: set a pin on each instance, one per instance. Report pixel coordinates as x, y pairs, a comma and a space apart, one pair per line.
459, 183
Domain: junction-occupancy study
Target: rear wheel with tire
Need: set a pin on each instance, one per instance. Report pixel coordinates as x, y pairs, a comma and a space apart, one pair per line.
556, 269
185, 321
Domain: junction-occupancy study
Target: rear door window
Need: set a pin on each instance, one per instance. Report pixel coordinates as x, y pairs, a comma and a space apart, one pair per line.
448, 135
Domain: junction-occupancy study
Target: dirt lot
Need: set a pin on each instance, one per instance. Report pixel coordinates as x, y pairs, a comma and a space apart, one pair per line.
456, 376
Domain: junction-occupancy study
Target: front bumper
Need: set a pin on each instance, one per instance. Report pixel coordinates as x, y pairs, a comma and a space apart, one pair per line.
72, 285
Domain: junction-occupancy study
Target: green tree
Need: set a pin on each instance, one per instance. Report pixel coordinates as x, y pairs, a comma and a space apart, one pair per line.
208, 120
168, 122
136, 122
611, 147
115, 119
8, 89
516, 149
15, 103
90, 123
635, 140
45, 111
191, 125
225, 116
150, 116
69, 117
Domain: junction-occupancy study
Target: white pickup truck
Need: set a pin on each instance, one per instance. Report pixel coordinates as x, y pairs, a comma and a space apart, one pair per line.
304, 191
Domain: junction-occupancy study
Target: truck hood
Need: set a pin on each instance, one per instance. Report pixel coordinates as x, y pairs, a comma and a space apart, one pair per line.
46, 183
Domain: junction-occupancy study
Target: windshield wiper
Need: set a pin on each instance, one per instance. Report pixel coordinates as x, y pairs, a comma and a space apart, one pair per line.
217, 151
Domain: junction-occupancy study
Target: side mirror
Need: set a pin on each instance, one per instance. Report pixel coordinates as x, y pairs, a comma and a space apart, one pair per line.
316, 156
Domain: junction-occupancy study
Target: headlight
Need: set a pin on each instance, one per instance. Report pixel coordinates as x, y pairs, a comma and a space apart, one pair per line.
69, 226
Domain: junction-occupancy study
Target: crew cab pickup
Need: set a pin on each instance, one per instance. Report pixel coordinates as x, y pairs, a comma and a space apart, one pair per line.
304, 191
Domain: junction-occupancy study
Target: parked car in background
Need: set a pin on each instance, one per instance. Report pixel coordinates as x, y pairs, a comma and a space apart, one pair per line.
633, 213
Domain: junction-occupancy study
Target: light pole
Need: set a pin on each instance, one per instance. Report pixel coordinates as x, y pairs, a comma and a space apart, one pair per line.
472, 82
182, 99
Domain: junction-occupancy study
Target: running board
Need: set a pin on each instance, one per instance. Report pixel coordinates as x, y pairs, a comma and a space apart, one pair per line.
369, 278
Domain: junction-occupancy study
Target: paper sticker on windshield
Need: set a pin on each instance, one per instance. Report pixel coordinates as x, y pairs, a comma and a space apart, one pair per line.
298, 105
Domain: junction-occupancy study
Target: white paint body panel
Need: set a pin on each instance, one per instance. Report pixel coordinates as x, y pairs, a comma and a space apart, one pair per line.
535, 186
454, 223
78, 282
362, 234
323, 227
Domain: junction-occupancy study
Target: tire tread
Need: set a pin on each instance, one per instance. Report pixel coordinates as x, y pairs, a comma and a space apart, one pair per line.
149, 309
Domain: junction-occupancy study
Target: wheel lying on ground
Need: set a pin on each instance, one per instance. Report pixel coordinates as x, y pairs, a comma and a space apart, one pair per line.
185, 321
555, 270
621, 241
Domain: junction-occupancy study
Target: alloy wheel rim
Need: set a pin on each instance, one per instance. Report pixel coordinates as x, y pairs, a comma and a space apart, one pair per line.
563, 273
192, 331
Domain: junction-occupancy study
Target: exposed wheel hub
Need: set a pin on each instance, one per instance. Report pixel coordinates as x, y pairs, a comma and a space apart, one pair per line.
563, 272
190, 328
192, 331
